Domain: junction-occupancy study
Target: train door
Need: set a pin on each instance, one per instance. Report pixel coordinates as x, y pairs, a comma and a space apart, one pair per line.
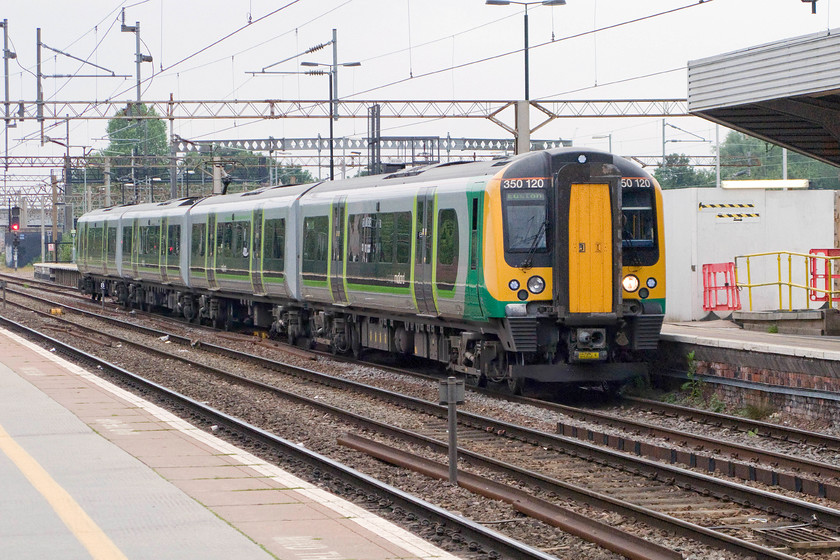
135, 248
336, 269
424, 220
590, 249
256, 253
165, 243
472, 293
210, 265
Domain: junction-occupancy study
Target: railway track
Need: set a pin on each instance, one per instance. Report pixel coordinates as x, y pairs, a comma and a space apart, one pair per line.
712, 452
695, 450
636, 548
544, 460
479, 538
42, 285
737, 423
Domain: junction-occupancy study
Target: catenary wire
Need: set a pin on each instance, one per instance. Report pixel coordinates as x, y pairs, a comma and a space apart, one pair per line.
517, 51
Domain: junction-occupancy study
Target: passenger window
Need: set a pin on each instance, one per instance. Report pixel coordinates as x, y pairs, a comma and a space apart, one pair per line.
403, 237
198, 240
447, 270
315, 238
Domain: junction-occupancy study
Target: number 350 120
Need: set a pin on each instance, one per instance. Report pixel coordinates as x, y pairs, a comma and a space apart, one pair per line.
537, 183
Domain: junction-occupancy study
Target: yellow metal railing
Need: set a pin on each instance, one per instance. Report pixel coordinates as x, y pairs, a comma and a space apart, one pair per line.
832, 295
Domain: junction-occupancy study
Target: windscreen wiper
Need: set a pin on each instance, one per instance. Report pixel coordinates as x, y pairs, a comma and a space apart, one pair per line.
528, 262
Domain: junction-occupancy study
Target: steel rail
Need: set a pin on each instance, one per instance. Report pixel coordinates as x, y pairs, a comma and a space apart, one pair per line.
683, 439
739, 423
507, 547
606, 536
711, 444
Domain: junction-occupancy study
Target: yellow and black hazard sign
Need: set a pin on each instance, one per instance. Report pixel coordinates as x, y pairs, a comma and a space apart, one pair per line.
706, 205
739, 217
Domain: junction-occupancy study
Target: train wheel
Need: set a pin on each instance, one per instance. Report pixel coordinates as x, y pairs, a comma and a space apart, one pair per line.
516, 385
355, 341
476, 380
612, 390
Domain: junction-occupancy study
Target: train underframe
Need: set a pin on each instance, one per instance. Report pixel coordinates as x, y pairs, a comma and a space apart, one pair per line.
607, 352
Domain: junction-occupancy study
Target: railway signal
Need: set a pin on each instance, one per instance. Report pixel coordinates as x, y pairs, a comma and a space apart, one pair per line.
14, 219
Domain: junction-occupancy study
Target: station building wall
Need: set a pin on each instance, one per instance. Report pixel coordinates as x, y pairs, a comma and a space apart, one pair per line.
705, 226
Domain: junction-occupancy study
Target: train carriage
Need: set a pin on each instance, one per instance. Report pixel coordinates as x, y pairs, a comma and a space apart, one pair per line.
545, 266
97, 242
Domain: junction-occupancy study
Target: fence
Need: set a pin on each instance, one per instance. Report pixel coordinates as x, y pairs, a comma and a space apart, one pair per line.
815, 268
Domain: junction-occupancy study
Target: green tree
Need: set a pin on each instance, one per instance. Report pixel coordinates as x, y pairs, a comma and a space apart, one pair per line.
294, 175
145, 136
147, 139
747, 157
678, 174
247, 170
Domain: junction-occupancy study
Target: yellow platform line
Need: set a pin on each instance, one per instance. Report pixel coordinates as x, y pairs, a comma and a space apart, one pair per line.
88, 533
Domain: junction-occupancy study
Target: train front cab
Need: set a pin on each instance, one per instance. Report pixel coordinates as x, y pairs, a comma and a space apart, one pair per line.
643, 259
562, 255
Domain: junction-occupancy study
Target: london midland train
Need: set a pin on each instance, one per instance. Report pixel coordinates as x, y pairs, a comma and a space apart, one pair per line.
546, 266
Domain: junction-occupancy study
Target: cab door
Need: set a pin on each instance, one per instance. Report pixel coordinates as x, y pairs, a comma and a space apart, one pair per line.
424, 236
590, 249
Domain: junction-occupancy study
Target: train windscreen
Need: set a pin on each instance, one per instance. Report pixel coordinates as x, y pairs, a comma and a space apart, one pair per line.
525, 221
638, 230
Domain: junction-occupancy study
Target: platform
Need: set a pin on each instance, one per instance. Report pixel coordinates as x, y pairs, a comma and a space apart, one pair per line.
799, 374
728, 335
93, 471
65, 274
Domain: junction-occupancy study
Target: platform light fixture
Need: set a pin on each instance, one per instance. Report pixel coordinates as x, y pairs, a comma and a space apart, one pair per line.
526, 4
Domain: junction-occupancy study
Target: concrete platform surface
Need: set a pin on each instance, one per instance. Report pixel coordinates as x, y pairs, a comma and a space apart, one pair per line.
88, 470
726, 334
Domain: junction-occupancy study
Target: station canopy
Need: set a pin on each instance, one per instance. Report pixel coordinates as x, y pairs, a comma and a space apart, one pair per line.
787, 93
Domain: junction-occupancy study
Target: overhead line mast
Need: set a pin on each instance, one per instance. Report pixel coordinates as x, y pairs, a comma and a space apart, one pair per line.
7, 55
139, 57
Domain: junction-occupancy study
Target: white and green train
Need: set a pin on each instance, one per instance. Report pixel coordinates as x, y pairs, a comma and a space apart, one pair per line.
528, 267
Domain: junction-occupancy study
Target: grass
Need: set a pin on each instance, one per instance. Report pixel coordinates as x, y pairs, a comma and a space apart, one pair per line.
757, 411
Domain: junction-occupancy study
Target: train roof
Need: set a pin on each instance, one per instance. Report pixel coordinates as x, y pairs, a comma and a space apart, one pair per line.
427, 173
456, 169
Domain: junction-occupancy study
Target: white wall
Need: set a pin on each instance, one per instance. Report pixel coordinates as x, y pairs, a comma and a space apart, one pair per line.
795, 221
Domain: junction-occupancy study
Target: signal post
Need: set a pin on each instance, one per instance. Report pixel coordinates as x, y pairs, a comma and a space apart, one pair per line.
14, 227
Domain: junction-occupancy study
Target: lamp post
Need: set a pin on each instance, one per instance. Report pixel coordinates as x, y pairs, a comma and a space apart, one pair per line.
526, 4
330, 72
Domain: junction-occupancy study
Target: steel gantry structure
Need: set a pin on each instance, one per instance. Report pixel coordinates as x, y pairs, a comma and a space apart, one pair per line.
410, 109
306, 151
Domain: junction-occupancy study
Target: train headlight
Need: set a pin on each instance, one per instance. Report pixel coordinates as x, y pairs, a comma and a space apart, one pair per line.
630, 283
536, 284
513, 284
651, 283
